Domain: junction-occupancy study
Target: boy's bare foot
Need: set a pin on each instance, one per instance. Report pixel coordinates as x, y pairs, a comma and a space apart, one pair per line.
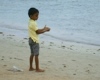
40, 70
31, 69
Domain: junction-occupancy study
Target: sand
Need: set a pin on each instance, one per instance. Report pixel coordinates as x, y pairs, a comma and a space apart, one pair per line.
61, 60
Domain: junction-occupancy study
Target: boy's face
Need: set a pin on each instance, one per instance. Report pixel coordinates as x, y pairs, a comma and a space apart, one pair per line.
35, 16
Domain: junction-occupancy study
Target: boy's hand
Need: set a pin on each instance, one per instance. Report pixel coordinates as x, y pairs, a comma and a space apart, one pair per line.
46, 28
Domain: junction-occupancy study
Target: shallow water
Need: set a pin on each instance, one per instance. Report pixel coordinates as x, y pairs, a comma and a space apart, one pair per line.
69, 20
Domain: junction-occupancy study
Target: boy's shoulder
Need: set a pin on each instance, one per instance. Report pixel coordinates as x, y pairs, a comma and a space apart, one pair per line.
32, 23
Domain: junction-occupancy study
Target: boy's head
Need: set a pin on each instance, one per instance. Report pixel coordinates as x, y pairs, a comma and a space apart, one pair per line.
33, 13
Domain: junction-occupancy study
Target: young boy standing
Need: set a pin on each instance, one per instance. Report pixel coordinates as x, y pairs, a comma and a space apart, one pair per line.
33, 30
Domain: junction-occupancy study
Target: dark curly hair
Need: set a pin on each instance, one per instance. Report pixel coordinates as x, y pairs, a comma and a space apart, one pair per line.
32, 11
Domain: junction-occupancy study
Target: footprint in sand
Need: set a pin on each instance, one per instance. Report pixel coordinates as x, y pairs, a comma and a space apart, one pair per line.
50, 61
5, 65
63, 46
49, 48
23, 42
26, 38
90, 65
18, 59
11, 35
51, 43
1, 32
71, 45
42, 47
73, 60
74, 74
2, 59
98, 50
10, 57
71, 49
64, 65
42, 42
88, 71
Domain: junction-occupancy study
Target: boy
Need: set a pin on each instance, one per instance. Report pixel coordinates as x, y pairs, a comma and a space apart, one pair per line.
33, 38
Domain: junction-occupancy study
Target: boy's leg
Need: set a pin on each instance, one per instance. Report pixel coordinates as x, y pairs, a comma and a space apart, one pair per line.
37, 64
31, 61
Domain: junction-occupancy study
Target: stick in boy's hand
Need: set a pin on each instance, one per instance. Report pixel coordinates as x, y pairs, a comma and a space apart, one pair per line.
47, 28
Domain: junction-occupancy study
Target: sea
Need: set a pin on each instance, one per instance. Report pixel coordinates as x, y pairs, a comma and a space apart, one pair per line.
69, 20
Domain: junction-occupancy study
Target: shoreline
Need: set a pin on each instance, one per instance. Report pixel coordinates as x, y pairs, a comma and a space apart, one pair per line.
52, 41
78, 42
24, 34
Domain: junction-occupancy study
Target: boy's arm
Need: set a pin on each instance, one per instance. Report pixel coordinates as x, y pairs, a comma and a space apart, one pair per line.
40, 31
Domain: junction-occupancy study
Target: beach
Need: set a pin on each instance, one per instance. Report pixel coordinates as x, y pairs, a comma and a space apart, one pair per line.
70, 51
61, 60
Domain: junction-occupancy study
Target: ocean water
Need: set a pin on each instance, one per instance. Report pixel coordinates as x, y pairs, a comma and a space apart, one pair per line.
69, 20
